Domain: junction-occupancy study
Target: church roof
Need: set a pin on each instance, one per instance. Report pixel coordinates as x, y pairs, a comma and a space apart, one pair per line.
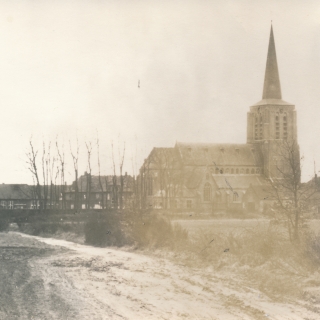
162, 158
277, 102
194, 176
225, 181
271, 88
219, 154
264, 191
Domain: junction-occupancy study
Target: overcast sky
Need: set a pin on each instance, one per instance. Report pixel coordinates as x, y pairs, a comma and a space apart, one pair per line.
71, 68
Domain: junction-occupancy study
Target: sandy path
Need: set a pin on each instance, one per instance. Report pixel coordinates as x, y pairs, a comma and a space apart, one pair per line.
81, 282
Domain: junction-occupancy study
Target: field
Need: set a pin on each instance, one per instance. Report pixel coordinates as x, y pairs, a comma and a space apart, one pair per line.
236, 226
56, 279
147, 267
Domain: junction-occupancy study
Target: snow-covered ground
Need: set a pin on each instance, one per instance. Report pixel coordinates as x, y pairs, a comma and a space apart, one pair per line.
108, 283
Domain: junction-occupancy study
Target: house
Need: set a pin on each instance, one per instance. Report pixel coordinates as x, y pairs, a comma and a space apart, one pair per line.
311, 195
212, 176
17, 196
100, 192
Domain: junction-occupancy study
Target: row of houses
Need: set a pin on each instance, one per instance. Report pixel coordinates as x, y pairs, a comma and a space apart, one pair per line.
90, 192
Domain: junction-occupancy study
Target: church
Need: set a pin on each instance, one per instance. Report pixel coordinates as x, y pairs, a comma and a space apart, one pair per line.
213, 177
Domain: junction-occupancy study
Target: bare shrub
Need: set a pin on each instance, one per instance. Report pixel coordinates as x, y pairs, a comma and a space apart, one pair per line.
266, 257
39, 228
105, 229
312, 248
154, 231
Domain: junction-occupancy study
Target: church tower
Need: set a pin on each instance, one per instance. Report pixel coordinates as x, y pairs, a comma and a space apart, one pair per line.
272, 120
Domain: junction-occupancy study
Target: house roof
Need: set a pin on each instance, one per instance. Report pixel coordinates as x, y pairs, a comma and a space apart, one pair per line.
219, 154
15, 191
106, 181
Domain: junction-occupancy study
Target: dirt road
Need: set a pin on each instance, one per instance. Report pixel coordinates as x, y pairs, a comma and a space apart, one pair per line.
54, 279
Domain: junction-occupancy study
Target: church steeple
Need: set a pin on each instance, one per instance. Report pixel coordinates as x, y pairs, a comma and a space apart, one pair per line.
271, 88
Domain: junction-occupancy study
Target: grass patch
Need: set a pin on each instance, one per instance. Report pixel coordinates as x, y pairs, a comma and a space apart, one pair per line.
4, 224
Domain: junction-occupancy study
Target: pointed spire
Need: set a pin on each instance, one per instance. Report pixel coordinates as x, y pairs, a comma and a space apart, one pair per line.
271, 88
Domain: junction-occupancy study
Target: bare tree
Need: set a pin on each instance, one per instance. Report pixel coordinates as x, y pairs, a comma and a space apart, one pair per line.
51, 174
75, 160
62, 174
99, 175
135, 188
88, 189
32, 162
292, 196
56, 188
44, 162
121, 162
162, 174
114, 181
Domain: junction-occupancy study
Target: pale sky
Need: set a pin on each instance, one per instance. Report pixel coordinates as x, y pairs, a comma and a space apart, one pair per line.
71, 68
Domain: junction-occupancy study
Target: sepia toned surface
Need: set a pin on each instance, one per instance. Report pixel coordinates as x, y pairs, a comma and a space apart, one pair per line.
63, 280
152, 167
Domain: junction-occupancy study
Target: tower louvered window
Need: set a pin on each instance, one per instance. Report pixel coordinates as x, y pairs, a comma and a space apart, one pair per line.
261, 128
285, 128
277, 127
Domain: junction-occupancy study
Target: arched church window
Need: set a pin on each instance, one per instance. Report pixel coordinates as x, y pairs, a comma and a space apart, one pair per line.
221, 170
150, 186
252, 171
261, 125
207, 192
235, 196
